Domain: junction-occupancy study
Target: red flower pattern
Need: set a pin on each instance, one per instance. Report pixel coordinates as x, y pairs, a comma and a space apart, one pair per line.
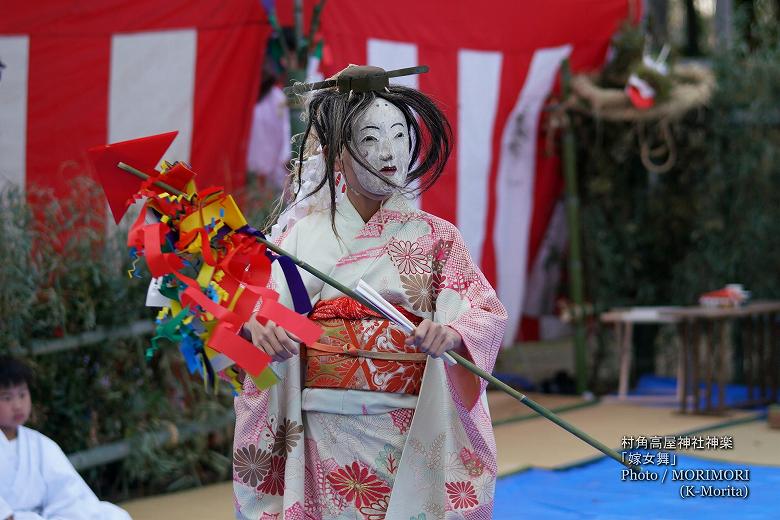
273, 483
357, 483
405, 378
461, 494
376, 511
402, 419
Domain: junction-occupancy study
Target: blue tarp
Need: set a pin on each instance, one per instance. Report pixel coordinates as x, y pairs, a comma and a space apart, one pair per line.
650, 385
595, 490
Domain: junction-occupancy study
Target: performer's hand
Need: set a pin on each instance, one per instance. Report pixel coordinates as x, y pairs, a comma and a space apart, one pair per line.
434, 338
272, 339
240, 374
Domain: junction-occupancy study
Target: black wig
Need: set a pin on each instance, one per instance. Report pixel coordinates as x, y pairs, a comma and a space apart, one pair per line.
330, 115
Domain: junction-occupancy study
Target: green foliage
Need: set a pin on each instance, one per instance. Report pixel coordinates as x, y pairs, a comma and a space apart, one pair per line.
628, 47
635, 224
62, 274
653, 239
733, 237
19, 283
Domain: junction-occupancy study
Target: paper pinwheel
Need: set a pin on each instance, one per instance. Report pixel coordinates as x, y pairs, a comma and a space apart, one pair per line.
210, 272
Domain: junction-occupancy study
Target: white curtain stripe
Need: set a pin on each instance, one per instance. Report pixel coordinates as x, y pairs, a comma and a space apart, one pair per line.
152, 87
479, 83
515, 183
14, 53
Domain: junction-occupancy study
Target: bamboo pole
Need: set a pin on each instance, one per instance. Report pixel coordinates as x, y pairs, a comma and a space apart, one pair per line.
575, 255
173, 434
50, 346
468, 365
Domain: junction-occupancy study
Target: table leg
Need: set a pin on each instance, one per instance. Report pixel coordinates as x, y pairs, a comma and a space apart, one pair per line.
722, 375
626, 354
773, 347
682, 377
695, 340
747, 356
710, 356
763, 359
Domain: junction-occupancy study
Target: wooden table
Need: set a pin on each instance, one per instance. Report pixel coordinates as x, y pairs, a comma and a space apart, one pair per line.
707, 329
623, 320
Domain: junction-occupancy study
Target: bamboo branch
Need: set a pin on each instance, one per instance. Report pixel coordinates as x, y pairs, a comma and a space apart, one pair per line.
314, 25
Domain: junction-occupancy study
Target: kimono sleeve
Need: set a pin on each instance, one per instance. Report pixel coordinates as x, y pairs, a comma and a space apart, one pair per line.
466, 302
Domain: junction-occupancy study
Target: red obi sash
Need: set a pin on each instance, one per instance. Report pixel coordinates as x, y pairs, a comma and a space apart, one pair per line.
360, 350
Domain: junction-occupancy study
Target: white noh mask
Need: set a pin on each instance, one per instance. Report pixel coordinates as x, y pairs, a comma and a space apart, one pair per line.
381, 136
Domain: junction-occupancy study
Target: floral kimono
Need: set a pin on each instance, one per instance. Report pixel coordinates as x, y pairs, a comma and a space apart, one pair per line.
362, 426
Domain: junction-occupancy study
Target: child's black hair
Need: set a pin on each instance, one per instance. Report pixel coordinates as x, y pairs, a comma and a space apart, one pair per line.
14, 372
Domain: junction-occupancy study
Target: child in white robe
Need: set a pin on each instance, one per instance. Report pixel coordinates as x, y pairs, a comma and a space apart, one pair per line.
37, 481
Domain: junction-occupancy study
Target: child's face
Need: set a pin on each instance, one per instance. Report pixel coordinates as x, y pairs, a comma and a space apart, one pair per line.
15, 406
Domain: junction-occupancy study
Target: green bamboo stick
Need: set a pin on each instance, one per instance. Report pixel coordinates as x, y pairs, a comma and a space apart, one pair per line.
541, 410
575, 255
468, 365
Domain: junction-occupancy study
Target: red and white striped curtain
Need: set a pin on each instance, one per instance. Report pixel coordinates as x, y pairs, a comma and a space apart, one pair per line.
80, 74
493, 66
83, 73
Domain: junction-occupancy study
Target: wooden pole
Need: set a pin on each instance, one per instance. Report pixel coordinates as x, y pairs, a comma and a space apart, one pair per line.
575, 256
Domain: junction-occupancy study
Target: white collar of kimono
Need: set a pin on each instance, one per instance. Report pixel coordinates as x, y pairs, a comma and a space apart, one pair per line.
397, 202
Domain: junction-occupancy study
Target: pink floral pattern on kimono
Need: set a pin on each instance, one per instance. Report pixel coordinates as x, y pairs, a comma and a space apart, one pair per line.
434, 462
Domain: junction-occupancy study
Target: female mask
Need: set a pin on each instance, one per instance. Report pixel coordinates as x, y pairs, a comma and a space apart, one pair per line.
380, 135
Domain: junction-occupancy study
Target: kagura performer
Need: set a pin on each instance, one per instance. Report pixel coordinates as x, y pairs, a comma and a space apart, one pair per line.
368, 423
